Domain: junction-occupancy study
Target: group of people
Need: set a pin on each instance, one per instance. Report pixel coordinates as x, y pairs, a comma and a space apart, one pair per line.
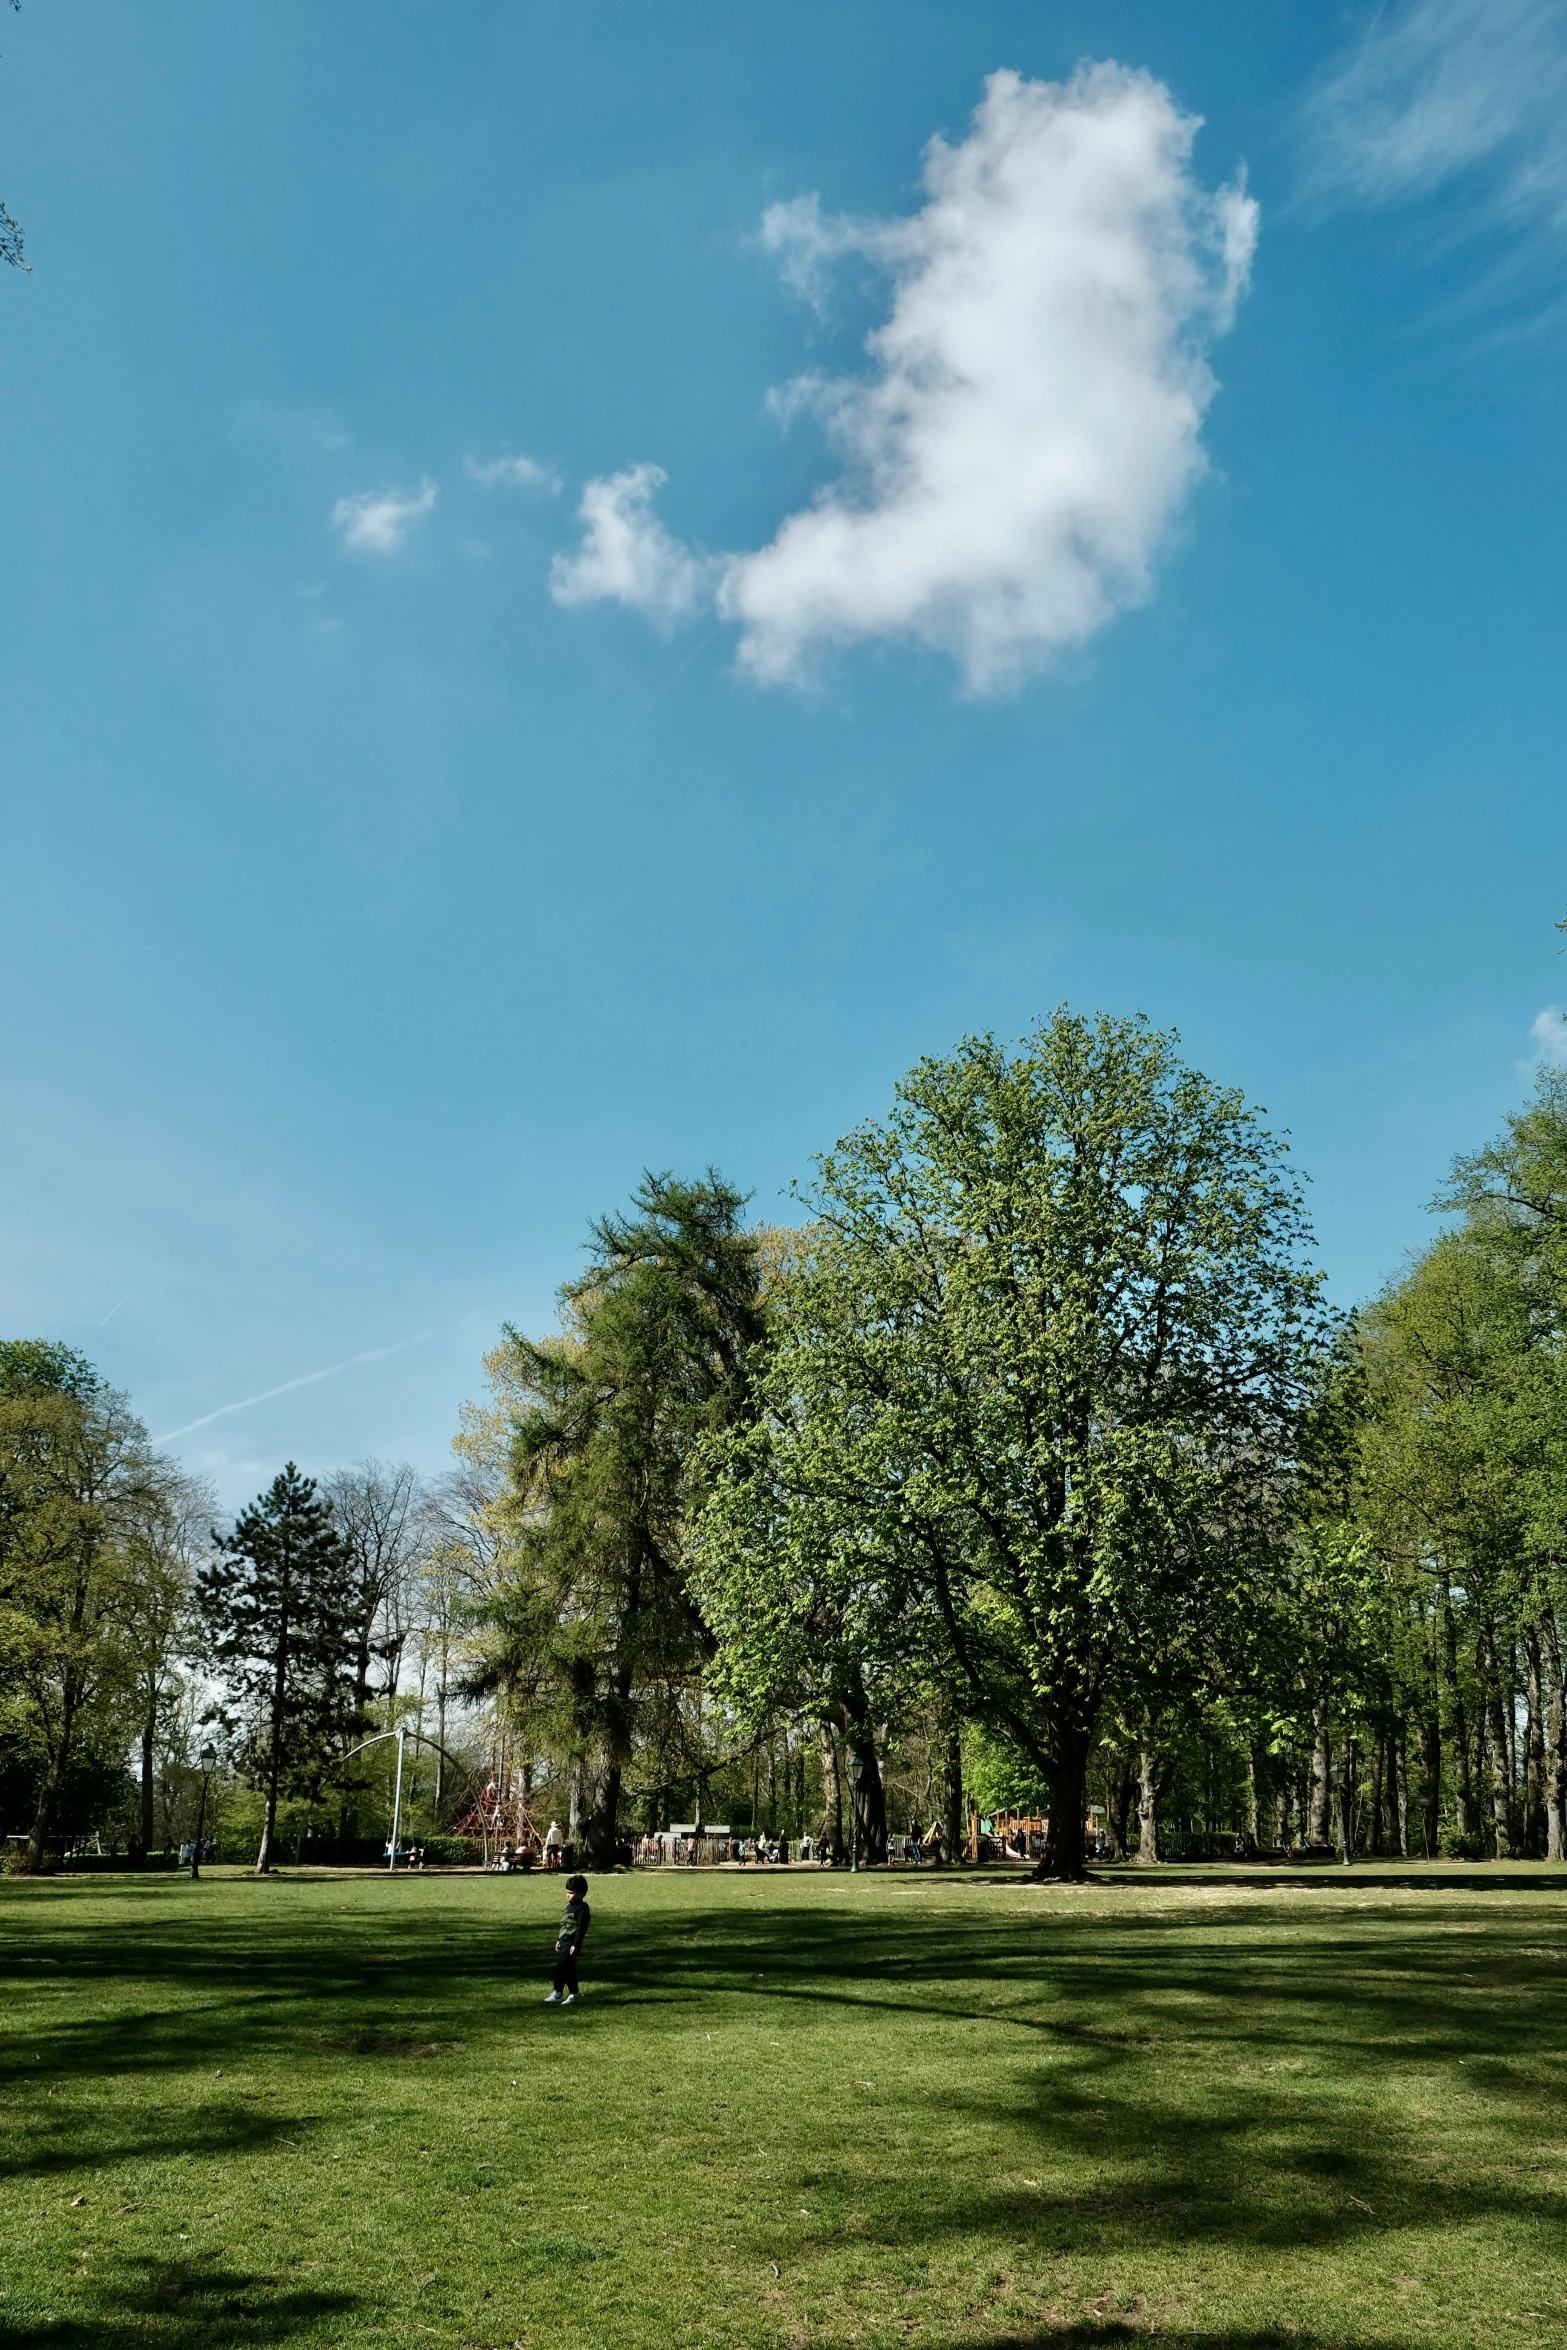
760, 1851
554, 1854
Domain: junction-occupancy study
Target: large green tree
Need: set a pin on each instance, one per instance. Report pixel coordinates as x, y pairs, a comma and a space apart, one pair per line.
277, 1599
1464, 1480
1045, 1390
591, 1632
82, 1497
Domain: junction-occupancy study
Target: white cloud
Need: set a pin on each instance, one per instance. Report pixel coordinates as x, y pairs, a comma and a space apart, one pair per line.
626, 554
1020, 446
809, 241
1550, 1035
512, 473
1442, 87
377, 522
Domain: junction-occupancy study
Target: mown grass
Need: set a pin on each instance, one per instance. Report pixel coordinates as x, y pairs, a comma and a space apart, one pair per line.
793, 2109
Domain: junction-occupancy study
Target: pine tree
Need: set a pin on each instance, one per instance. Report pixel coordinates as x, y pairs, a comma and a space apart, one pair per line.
276, 1602
592, 1633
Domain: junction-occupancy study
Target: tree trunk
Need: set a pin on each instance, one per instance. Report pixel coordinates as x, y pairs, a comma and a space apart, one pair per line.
1064, 1856
1252, 1815
149, 1737
1379, 1744
1555, 1742
1147, 1808
1120, 1805
1534, 1752
1463, 1790
952, 1823
601, 1828
1510, 1720
37, 1856
832, 1791
869, 1797
1501, 1773
1318, 1827
268, 1828
275, 1740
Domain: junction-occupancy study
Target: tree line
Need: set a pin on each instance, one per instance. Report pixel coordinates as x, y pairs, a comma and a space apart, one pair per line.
1035, 1454
134, 1631
1030, 1470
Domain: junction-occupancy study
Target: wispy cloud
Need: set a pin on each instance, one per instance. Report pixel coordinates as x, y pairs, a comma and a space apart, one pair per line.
1549, 1034
377, 522
1438, 89
626, 555
1017, 451
371, 1354
512, 473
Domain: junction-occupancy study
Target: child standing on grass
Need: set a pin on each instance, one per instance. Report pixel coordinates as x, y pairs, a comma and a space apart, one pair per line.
568, 1947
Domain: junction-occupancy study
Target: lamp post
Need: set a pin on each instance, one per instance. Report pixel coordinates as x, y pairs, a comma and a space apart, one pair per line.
856, 1774
397, 1800
208, 1759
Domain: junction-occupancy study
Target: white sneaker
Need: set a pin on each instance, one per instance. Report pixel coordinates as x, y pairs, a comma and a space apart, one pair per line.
553, 1999
570, 1999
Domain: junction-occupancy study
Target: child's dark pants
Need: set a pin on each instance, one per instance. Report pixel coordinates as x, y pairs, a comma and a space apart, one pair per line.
566, 1971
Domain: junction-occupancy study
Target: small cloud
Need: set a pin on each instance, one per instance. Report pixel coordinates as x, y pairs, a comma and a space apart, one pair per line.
626, 555
1018, 447
808, 241
512, 473
1549, 1033
377, 522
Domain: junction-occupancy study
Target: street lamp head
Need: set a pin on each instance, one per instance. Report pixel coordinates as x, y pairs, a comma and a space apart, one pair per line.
208, 1757
856, 1767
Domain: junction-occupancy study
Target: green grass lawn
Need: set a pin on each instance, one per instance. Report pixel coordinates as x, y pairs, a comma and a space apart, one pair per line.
791, 2109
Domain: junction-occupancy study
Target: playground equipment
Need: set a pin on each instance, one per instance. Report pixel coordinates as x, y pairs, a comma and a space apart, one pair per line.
405, 1737
501, 1814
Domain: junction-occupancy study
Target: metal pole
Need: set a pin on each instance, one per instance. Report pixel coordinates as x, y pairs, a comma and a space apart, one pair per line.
397, 1801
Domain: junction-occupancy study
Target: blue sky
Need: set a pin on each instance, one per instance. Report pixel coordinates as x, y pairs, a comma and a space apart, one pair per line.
389, 872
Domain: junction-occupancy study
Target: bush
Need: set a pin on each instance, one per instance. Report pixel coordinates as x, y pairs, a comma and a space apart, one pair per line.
451, 1852
1455, 1847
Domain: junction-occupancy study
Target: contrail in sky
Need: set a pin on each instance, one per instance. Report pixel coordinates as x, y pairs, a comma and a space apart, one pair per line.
113, 1310
372, 1354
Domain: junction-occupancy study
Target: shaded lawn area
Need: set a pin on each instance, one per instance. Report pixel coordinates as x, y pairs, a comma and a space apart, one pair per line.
792, 2109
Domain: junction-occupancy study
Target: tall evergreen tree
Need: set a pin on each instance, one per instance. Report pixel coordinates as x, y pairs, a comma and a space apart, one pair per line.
592, 1633
277, 1603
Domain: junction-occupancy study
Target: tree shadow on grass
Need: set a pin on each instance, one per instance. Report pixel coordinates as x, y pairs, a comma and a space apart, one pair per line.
1259, 2090
177, 2305
60, 2138
1182, 2073
1106, 2335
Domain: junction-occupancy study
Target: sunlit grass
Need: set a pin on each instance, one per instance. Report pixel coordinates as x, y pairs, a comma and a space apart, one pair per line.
792, 2109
